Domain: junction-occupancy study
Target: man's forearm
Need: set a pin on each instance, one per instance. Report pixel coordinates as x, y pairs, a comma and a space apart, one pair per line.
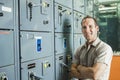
74, 72
86, 72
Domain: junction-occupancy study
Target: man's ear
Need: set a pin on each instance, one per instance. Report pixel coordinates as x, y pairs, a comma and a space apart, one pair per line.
97, 28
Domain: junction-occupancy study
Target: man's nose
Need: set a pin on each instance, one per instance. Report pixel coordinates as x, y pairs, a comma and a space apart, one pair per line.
87, 29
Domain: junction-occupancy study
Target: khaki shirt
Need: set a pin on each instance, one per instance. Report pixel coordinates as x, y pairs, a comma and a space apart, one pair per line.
97, 52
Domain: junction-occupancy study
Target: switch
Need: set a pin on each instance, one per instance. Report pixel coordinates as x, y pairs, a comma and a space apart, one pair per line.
45, 67
34, 77
45, 4
30, 5
38, 44
3, 76
45, 8
65, 43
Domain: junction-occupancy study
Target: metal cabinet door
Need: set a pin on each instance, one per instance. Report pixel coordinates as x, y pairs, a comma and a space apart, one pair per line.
78, 40
63, 43
36, 15
36, 45
40, 69
6, 48
63, 19
79, 5
6, 14
66, 3
77, 22
90, 7
7, 73
61, 69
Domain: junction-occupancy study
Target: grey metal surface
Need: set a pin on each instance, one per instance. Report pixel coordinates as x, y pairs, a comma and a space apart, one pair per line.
66, 3
62, 66
63, 43
7, 73
41, 68
90, 7
6, 14
78, 40
35, 45
36, 15
77, 22
79, 5
6, 48
63, 19
28, 44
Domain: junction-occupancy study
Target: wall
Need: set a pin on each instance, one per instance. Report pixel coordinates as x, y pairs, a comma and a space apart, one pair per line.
114, 72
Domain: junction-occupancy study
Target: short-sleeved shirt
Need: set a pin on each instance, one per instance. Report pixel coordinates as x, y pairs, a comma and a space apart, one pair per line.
97, 52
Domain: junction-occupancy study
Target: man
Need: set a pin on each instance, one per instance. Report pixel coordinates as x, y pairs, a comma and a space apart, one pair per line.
91, 61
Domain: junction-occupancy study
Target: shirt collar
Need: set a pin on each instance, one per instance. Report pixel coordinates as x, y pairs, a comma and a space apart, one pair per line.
94, 43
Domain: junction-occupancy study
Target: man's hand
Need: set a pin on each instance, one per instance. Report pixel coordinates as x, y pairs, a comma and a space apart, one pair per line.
79, 68
86, 72
74, 73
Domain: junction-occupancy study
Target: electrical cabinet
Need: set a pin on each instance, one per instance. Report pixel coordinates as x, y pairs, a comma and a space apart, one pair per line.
63, 62
36, 15
63, 18
78, 40
6, 48
90, 8
7, 73
79, 5
66, 3
40, 69
38, 38
77, 22
6, 14
35, 45
63, 43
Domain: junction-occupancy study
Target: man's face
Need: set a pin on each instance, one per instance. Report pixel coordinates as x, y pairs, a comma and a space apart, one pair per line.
89, 29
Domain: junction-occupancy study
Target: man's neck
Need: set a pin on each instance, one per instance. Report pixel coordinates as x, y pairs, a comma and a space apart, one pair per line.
91, 41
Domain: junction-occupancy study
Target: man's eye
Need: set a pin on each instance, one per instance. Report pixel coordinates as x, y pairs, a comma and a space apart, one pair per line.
90, 26
84, 27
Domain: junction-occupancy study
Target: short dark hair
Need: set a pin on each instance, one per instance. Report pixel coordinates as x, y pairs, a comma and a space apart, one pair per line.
89, 17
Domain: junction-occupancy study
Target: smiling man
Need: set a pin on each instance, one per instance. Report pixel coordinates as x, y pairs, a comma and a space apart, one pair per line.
92, 60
